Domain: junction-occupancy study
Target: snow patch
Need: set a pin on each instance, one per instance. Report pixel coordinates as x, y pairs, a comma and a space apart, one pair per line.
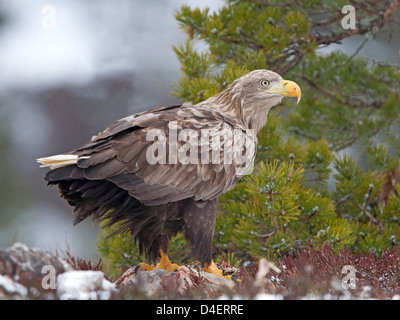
11, 287
84, 285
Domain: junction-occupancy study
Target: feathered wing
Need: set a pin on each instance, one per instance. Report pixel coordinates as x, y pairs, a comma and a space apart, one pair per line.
120, 155
113, 171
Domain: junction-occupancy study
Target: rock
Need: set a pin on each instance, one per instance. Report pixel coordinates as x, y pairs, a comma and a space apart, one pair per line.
147, 283
158, 283
84, 285
31, 273
24, 267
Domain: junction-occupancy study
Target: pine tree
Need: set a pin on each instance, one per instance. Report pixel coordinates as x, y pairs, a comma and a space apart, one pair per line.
305, 191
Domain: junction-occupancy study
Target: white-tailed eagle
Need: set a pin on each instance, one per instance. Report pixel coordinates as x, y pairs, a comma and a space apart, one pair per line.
161, 172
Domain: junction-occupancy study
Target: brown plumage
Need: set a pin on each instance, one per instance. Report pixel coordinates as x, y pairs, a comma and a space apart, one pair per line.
111, 178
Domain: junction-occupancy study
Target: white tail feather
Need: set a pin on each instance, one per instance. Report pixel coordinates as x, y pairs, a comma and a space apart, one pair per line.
59, 160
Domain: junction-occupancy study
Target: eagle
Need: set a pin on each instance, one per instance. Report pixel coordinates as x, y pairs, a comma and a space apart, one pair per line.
160, 172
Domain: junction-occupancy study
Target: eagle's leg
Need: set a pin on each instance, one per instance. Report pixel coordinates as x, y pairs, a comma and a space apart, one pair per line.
164, 263
199, 217
212, 268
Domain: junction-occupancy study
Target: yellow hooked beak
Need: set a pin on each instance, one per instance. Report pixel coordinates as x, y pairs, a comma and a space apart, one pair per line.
288, 89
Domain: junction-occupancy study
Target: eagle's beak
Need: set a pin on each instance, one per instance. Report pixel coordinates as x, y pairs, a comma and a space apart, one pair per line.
288, 89
291, 89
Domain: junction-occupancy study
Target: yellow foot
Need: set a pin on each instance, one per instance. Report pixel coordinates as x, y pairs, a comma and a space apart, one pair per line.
212, 268
164, 263
145, 266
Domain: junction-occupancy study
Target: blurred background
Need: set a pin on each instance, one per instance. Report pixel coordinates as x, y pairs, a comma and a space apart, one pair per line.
68, 69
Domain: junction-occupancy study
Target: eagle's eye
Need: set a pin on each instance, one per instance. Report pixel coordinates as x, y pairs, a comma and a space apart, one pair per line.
264, 83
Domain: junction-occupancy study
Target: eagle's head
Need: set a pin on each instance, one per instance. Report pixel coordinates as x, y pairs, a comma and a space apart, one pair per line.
250, 97
264, 87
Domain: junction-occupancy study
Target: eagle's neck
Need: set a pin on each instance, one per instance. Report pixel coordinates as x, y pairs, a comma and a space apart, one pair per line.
226, 103
252, 117
256, 119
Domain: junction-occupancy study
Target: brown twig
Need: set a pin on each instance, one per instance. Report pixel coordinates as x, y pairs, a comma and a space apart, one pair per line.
316, 87
365, 205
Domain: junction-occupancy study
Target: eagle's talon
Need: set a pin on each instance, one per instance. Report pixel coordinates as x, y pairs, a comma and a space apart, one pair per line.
164, 264
212, 268
144, 266
167, 267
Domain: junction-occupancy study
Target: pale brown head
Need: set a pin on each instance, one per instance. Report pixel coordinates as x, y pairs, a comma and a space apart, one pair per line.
250, 97
264, 87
